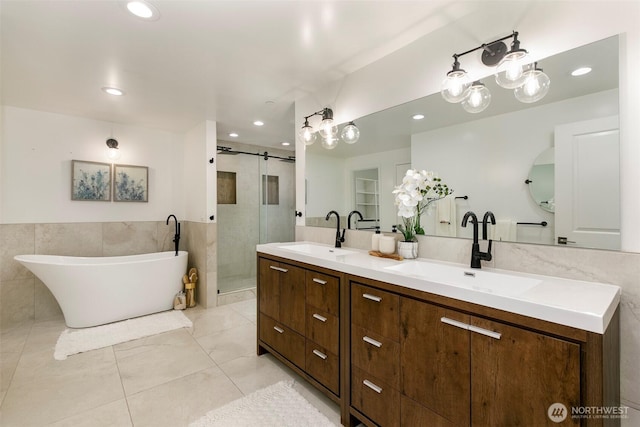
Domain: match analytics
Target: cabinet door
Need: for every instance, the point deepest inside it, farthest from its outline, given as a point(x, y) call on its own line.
point(292, 297)
point(516, 377)
point(269, 288)
point(435, 361)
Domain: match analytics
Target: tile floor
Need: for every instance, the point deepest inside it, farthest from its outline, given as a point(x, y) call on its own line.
point(169, 379)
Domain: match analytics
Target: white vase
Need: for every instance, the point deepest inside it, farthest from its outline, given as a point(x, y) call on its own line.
point(408, 250)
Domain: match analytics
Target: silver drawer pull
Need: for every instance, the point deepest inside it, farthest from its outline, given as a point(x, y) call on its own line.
point(372, 386)
point(320, 318)
point(279, 330)
point(320, 281)
point(372, 297)
point(320, 354)
point(283, 270)
point(372, 341)
point(455, 323)
point(486, 332)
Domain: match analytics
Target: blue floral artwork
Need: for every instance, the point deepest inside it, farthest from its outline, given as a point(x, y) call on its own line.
point(90, 181)
point(130, 183)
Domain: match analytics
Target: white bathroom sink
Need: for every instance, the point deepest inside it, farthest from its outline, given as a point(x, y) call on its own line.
point(479, 280)
point(317, 250)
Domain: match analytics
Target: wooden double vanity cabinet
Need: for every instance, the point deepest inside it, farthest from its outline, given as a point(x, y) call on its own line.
point(390, 355)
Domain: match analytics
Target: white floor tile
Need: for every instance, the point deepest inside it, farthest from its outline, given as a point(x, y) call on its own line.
point(158, 359)
point(45, 390)
point(231, 343)
point(114, 414)
point(181, 401)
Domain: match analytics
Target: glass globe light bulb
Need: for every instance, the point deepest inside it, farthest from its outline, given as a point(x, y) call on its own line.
point(327, 128)
point(330, 142)
point(478, 98)
point(113, 153)
point(112, 149)
point(454, 86)
point(510, 71)
point(306, 134)
point(535, 86)
point(350, 133)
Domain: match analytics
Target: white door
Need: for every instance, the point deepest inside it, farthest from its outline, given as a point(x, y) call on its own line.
point(587, 186)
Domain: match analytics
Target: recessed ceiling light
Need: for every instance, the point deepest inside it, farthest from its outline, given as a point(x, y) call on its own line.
point(142, 9)
point(258, 123)
point(233, 135)
point(113, 91)
point(581, 71)
point(285, 143)
point(417, 116)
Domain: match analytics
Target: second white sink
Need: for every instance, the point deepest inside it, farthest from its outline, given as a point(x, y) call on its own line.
point(484, 281)
point(317, 250)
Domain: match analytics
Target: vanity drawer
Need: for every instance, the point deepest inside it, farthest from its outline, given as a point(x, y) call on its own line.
point(323, 328)
point(376, 310)
point(282, 339)
point(322, 365)
point(376, 354)
point(323, 292)
point(375, 398)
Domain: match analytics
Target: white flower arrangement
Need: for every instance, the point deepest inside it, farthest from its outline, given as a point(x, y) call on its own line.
point(418, 190)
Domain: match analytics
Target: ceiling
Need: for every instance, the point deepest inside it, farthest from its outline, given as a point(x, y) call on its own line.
point(232, 62)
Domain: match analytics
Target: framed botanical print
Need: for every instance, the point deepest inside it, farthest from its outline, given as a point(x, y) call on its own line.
point(90, 181)
point(130, 183)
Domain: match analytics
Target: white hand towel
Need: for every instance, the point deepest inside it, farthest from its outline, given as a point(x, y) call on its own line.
point(446, 217)
point(504, 230)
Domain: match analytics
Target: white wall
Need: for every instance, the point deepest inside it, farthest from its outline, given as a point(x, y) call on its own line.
point(36, 168)
point(546, 28)
point(490, 166)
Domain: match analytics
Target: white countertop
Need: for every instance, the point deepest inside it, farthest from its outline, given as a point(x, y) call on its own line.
point(584, 305)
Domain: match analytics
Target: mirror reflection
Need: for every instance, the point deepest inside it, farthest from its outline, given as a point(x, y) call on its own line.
point(541, 180)
point(486, 157)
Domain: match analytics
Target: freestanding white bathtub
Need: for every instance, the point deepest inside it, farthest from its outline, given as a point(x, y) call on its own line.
point(97, 290)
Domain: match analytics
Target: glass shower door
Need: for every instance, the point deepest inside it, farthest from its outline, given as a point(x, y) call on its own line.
point(277, 200)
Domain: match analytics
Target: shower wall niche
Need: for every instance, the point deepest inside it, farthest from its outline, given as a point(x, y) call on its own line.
point(256, 204)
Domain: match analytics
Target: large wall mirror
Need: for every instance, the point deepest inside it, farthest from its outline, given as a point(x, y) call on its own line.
point(489, 158)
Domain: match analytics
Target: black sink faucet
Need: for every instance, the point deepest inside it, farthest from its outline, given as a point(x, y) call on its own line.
point(476, 254)
point(349, 218)
point(339, 239)
point(176, 237)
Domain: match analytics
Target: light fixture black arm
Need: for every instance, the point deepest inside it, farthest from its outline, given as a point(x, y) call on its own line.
point(491, 50)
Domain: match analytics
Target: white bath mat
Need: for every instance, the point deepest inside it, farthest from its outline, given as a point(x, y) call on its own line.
point(73, 341)
point(279, 405)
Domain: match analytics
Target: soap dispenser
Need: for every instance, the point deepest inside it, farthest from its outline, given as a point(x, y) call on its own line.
point(375, 240)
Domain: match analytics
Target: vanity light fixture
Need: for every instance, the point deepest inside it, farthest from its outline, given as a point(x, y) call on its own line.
point(328, 130)
point(512, 72)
